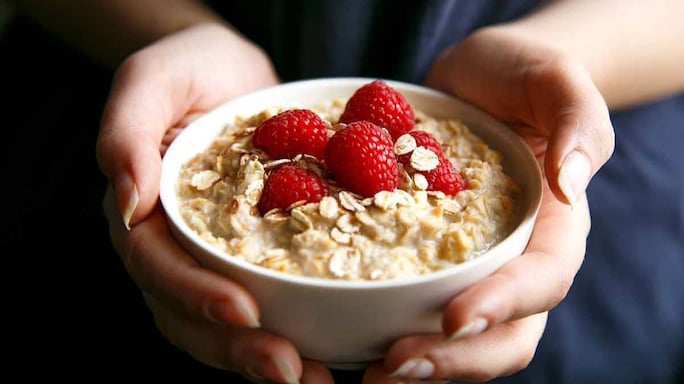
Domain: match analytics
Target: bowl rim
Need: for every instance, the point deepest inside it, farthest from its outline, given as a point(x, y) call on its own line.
point(527, 218)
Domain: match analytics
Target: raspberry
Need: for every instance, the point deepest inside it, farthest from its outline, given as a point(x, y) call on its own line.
point(423, 139)
point(445, 177)
point(290, 133)
point(290, 184)
point(361, 157)
point(381, 104)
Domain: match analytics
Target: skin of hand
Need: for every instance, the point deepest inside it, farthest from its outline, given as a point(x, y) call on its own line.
point(552, 82)
point(492, 329)
point(155, 92)
point(548, 99)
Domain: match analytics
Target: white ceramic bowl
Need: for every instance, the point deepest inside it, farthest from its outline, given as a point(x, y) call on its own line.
point(347, 324)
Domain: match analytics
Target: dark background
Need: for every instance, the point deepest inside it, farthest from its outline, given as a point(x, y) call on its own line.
point(75, 308)
point(71, 311)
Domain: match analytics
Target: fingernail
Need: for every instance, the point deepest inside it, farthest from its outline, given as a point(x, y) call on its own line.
point(286, 372)
point(417, 368)
point(127, 196)
point(473, 328)
point(219, 312)
point(574, 176)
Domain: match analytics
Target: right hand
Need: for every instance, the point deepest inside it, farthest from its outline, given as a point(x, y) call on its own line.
point(493, 327)
point(155, 92)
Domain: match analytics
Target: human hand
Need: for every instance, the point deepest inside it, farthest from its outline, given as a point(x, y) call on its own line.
point(493, 328)
point(155, 92)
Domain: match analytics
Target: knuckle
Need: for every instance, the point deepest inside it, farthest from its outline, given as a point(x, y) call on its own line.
point(560, 269)
point(564, 281)
point(600, 137)
point(504, 281)
point(448, 365)
point(606, 144)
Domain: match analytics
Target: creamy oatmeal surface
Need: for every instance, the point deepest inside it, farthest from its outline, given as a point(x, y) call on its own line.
point(398, 234)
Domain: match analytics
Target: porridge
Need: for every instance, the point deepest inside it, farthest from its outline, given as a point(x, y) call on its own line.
point(404, 230)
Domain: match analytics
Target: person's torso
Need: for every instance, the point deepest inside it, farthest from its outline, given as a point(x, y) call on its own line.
point(374, 38)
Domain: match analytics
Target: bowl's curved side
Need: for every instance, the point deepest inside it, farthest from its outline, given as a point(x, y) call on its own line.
point(340, 326)
point(337, 322)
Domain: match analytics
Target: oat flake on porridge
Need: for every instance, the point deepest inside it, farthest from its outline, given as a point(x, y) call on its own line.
point(394, 234)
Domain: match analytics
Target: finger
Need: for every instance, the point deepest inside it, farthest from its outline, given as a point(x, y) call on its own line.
point(537, 86)
point(139, 111)
point(314, 372)
point(536, 281)
point(155, 89)
point(502, 350)
point(577, 119)
point(376, 374)
point(159, 266)
point(257, 355)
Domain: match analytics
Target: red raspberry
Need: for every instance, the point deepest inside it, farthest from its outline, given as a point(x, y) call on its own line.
point(290, 184)
point(445, 177)
point(290, 133)
point(381, 104)
point(423, 139)
point(361, 157)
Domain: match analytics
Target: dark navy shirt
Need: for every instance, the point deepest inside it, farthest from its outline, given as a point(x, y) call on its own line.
point(623, 320)
point(383, 38)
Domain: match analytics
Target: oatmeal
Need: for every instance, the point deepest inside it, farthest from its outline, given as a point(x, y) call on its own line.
point(404, 232)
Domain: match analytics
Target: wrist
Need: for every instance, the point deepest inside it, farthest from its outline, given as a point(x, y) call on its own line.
point(632, 50)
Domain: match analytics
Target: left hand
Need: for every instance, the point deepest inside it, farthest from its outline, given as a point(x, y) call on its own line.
point(493, 328)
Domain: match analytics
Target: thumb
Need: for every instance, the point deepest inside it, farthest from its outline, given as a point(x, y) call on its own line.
point(581, 139)
point(135, 119)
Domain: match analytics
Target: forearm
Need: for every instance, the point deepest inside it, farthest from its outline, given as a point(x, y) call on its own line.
point(109, 30)
point(634, 50)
